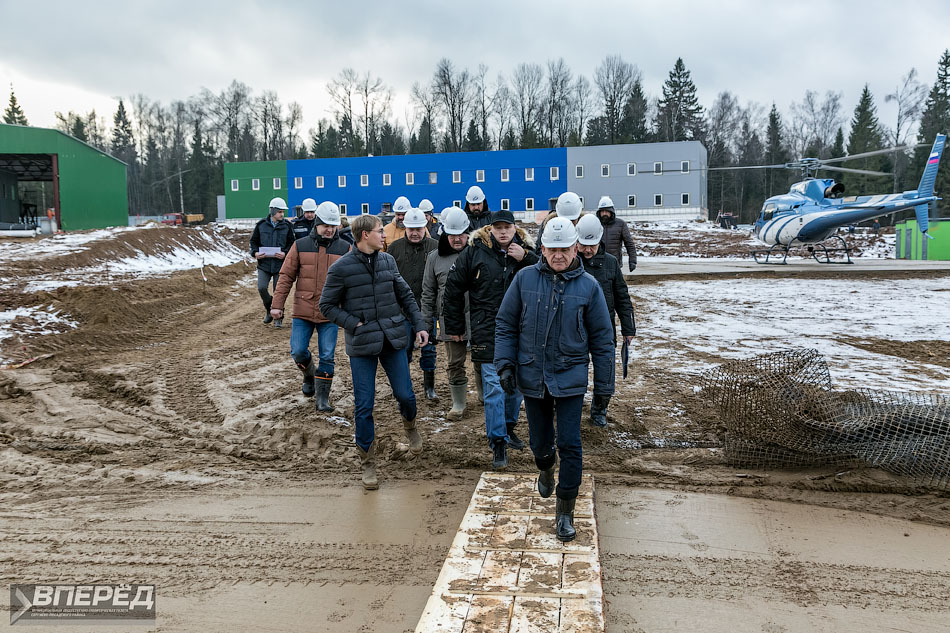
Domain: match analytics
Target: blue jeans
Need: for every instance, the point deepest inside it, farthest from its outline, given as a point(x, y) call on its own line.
point(300, 334)
point(363, 369)
point(427, 358)
point(540, 413)
point(500, 408)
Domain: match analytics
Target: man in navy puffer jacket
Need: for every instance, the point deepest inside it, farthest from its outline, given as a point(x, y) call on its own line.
point(552, 322)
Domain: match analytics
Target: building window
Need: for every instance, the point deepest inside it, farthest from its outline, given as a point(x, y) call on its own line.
point(298, 182)
point(658, 168)
point(433, 177)
point(235, 185)
point(529, 173)
point(504, 175)
point(341, 181)
point(256, 184)
point(387, 180)
point(658, 200)
point(685, 199)
point(364, 180)
point(605, 171)
point(343, 209)
point(319, 182)
point(276, 183)
point(631, 201)
point(504, 204)
point(410, 178)
point(457, 203)
point(555, 173)
point(456, 177)
point(529, 204)
point(631, 169)
point(480, 175)
point(364, 208)
point(579, 171)
point(684, 167)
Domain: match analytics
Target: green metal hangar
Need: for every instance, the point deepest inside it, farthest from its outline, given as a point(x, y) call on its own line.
point(89, 188)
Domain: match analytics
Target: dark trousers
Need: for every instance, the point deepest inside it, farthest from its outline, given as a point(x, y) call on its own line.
point(363, 370)
point(541, 413)
point(263, 279)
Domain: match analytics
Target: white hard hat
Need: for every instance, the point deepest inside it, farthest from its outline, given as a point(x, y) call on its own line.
point(278, 203)
point(415, 219)
point(474, 195)
point(401, 204)
point(425, 206)
point(589, 230)
point(605, 202)
point(328, 213)
point(308, 204)
point(559, 233)
point(454, 221)
point(568, 206)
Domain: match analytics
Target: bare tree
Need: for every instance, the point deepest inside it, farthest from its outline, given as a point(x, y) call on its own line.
point(815, 123)
point(527, 93)
point(483, 98)
point(425, 101)
point(909, 96)
point(293, 122)
point(375, 99)
point(453, 90)
point(583, 104)
point(343, 90)
point(614, 79)
point(502, 107)
point(558, 104)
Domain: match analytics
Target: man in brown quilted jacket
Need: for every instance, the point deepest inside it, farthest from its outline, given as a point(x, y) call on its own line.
point(307, 263)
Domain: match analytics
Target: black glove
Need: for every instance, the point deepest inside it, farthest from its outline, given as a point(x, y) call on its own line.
point(507, 379)
point(633, 267)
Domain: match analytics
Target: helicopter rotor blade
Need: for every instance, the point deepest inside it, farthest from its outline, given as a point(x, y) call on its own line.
point(878, 152)
point(782, 166)
point(855, 171)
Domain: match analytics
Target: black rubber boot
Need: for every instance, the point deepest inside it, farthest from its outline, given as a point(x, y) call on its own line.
point(428, 381)
point(267, 317)
point(499, 455)
point(324, 382)
point(513, 440)
point(564, 520)
point(598, 410)
point(308, 373)
point(546, 482)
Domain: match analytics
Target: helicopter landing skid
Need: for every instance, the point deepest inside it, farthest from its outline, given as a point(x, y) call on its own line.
point(775, 248)
point(827, 252)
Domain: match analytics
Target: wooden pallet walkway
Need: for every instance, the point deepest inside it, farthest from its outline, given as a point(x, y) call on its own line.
point(507, 572)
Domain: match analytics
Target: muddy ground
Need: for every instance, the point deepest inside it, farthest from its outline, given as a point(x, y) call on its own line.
point(165, 440)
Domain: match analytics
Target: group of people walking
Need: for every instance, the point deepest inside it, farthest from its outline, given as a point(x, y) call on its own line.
point(534, 317)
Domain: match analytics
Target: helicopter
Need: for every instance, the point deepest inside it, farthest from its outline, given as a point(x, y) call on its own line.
point(815, 208)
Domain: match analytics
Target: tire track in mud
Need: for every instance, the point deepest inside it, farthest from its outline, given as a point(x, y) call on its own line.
point(783, 580)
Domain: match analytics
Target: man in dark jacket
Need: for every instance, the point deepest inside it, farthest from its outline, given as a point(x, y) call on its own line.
point(476, 207)
point(484, 269)
point(305, 223)
point(410, 253)
point(271, 232)
point(605, 268)
point(307, 263)
point(366, 296)
point(552, 323)
point(616, 233)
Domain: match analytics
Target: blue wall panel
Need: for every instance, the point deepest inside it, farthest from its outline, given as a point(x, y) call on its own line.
point(443, 192)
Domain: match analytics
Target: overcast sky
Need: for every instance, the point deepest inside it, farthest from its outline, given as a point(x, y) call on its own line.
point(63, 56)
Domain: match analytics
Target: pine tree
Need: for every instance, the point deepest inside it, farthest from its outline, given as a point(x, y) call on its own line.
point(14, 113)
point(123, 146)
point(597, 132)
point(936, 120)
point(752, 182)
point(680, 117)
point(510, 141)
point(776, 153)
point(633, 125)
point(473, 141)
point(837, 150)
point(866, 136)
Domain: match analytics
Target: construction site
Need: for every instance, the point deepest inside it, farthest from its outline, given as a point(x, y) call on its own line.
point(777, 459)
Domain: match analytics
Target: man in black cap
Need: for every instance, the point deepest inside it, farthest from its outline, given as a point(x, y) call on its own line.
point(484, 269)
